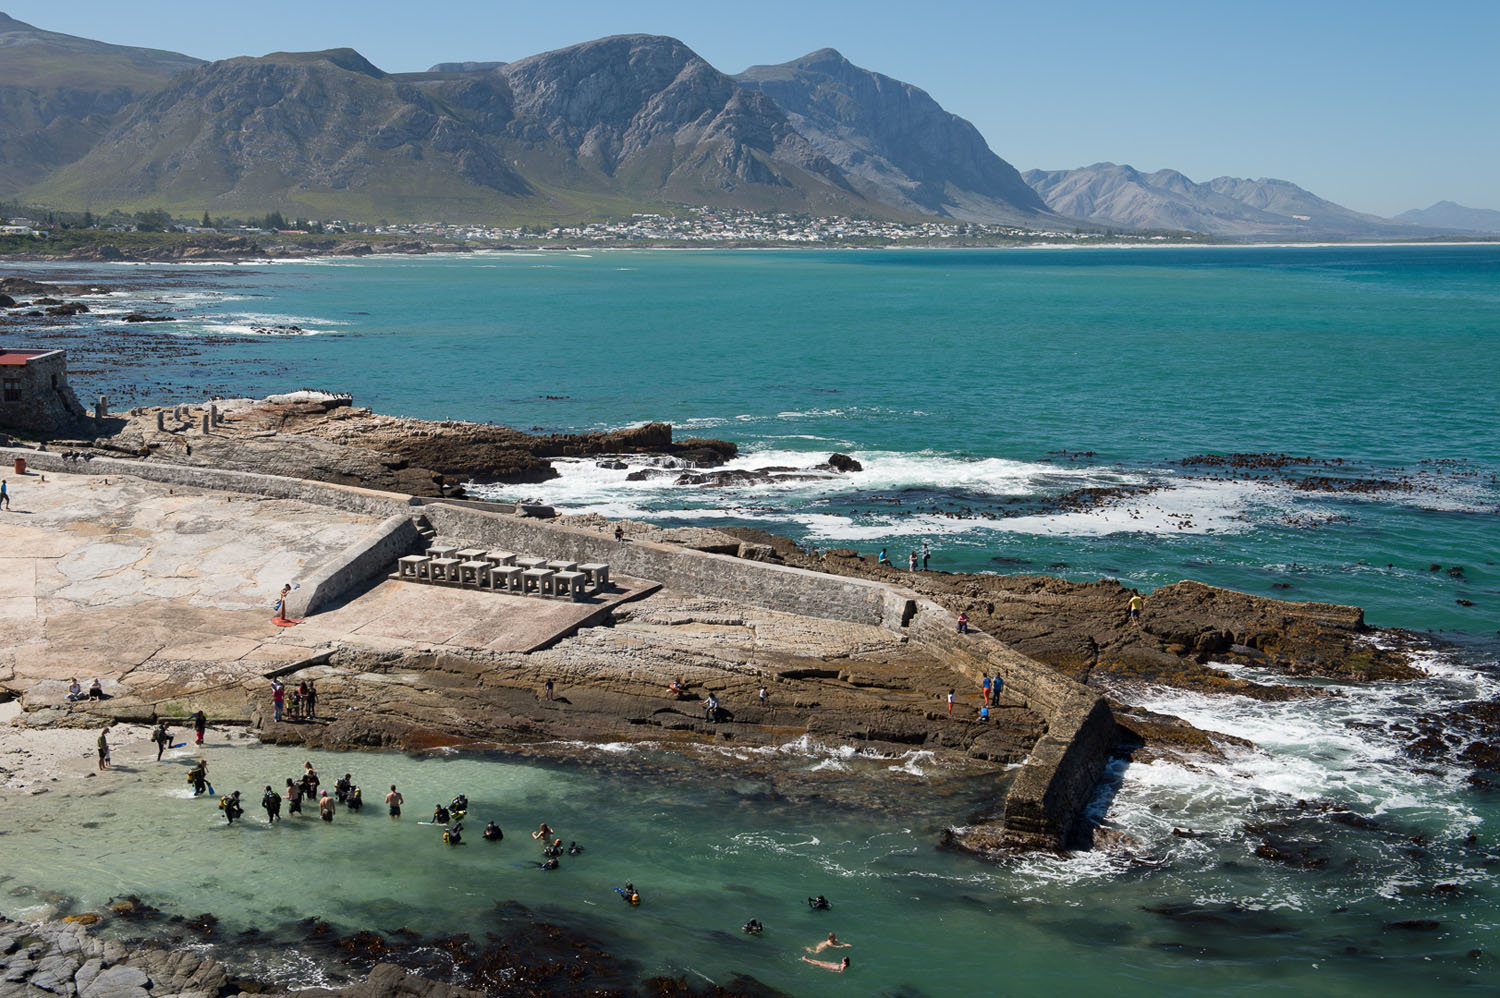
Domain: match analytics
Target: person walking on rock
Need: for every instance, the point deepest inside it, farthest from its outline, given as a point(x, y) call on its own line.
point(278, 698)
point(1135, 609)
point(4, 495)
point(950, 703)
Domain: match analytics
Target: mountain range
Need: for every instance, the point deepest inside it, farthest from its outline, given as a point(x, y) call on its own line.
point(1455, 217)
point(608, 127)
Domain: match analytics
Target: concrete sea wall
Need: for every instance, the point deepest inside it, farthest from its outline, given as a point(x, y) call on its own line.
point(1045, 805)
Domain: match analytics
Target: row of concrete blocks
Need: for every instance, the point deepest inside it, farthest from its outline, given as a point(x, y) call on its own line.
point(502, 571)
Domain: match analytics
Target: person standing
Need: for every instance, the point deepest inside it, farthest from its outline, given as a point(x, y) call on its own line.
point(104, 749)
point(271, 801)
point(326, 807)
point(4, 495)
point(1135, 609)
point(278, 698)
point(926, 554)
point(293, 796)
point(312, 699)
point(986, 689)
point(393, 802)
point(163, 738)
point(950, 703)
point(911, 562)
point(200, 725)
point(549, 689)
point(763, 696)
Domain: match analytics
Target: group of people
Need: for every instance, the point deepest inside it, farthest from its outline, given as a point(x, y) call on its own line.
point(76, 693)
point(911, 561)
point(303, 705)
point(819, 903)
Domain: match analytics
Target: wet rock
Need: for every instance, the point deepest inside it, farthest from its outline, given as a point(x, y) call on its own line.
point(842, 463)
point(143, 317)
point(117, 982)
point(6, 301)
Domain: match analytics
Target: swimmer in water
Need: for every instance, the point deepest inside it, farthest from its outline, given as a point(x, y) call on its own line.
point(837, 968)
point(574, 848)
point(550, 864)
point(544, 832)
point(832, 942)
point(752, 927)
point(819, 903)
point(493, 833)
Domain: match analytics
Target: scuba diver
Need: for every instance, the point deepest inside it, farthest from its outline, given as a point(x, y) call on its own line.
point(454, 836)
point(271, 801)
point(356, 799)
point(550, 864)
point(555, 849)
point(460, 805)
point(752, 927)
point(197, 777)
point(629, 893)
point(574, 848)
point(819, 903)
point(341, 788)
point(492, 832)
point(230, 805)
point(440, 815)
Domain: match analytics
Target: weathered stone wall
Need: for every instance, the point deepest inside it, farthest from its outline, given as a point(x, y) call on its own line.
point(46, 404)
point(371, 555)
point(1046, 802)
point(776, 587)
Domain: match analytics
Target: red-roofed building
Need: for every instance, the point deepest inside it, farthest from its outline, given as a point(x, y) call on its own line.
point(34, 391)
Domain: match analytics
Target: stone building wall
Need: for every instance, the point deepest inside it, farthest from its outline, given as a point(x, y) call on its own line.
point(34, 395)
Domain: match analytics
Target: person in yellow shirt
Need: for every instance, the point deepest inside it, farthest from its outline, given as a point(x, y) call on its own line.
point(1135, 609)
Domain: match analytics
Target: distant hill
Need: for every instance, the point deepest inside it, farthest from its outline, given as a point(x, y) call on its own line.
point(896, 143)
point(59, 94)
point(1111, 194)
point(613, 124)
point(1455, 217)
point(464, 67)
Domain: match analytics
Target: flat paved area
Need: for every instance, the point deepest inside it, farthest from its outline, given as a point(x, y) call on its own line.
point(115, 578)
point(157, 590)
point(406, 614)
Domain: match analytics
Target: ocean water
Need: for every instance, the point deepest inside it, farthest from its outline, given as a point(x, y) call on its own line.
point(1020, 411)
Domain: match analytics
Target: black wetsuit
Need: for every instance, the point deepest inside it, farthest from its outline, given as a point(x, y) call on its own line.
point(356, 799)
point(493, 833)
point(341, 790)
point(294, 798)
point(272, 803)
point(232, 808)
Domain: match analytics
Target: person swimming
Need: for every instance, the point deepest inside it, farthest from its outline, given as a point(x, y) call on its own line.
point(440, 815)
point(819, 903)
point(544, 832)
point(492, 832)
point(752, 927)
point(837, 968)
point(574, 848)
point(550, 864)
point(555, 849)
point(832, 942)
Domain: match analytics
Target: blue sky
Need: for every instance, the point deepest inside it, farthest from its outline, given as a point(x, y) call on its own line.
point(1380, 106)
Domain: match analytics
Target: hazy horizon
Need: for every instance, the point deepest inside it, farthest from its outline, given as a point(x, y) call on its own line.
point(1383, 108)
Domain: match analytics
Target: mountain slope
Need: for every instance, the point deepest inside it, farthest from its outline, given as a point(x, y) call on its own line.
point(60, 93)
point(894, 140)
point(609, 125)
point(311, 130)
point(1455, 217)
point(1111, 194)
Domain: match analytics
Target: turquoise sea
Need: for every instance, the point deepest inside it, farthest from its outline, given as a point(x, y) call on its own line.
point(1020, 411)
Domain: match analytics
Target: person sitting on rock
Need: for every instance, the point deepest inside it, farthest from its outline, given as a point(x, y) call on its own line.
point(75, 691)
point(96, 691)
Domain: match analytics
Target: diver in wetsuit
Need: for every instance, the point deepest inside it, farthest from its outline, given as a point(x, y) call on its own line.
point(555, 849)
point(819, 903)
point(440, 815)
point(198, 778)
point(752, 927)
point(550, 864)
point(460, 804)
point(356, 799)
point(271, 801)
point(230, 805)
point(574, 848)
point(493, 833)
point(341, 788)
point(454, 836)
